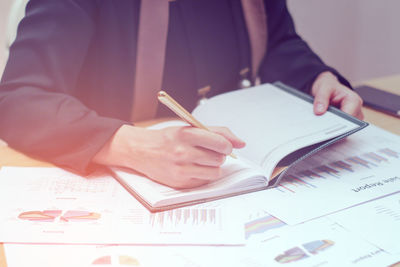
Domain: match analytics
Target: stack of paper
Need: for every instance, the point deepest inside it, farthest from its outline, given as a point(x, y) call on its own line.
point(340, 207)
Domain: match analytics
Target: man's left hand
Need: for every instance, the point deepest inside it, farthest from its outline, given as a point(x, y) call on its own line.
point(328, 90)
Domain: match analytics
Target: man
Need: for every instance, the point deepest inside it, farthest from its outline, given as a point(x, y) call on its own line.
point(67, 93)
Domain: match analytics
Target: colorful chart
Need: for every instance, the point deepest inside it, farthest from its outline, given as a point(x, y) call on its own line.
point(291, 255)
point(117, 261)
point(40, 216)
point(319, 245)
point(79, 216)
point(296, 253)
point(52, 215)
point(336, 169)
point(389, 152)
point(262, 225)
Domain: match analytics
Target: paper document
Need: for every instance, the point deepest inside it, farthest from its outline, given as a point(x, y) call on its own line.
point(360, 168)
point(208, 223)
point(49, 205)
point(377, 222)
point(320, 243)
point(317, 243)
point(266, 146)
point(91, 255)
point(271, 141)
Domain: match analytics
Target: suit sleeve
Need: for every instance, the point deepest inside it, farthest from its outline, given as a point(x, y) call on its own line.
point(38, 114)
point(289, 59)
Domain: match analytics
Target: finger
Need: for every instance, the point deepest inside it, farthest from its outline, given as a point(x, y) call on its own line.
point(360, 115)
point(199, 156)
point(206, 157)
point(322, 97)
point(206, 139)
point(351, 104)
point(225, 132)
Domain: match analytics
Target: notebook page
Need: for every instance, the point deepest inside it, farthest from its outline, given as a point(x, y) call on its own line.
point(272, 122)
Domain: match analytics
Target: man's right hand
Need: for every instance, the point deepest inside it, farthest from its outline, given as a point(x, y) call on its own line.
point(180, 157)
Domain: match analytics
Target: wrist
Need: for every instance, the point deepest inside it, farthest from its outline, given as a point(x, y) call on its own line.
point(130, 147)
point(114, 150)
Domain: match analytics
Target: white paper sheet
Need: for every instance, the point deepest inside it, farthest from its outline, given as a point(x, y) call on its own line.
point(49, 205)
point(272, 122)
point(90, 255)
point(209, 223)
point(377, 222)
point(320, 243)
point(363, 167)
point(317, 243)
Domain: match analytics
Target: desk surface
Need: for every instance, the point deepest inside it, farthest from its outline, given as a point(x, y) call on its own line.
point(387, 122)
point(10, 157)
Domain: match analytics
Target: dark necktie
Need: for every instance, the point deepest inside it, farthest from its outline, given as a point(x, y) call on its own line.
point(256, 22)
point(152, 40)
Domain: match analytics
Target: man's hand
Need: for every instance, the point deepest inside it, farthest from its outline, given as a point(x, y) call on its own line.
point(327, 89)
point(180, 157)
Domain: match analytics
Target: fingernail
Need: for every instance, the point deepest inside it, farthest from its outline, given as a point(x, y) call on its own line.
point(320, 107)
point(242, 143)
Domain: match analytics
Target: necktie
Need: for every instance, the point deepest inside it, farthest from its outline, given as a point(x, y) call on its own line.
point(152, 40)
point(256, 21)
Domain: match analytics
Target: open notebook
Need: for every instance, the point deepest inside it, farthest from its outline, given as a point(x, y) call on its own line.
point(280, 129)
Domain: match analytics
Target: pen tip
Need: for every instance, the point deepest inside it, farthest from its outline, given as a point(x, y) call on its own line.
point(162, 93)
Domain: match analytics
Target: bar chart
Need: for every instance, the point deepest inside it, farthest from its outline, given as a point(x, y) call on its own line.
point(337, 169)
point(184, 217)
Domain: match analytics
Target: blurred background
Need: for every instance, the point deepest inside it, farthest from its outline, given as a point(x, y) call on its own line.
point(360, 38)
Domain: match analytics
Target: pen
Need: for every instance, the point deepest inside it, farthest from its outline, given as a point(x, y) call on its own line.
point(167, 100)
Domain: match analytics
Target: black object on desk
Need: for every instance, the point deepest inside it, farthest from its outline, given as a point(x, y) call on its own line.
point(379, 99)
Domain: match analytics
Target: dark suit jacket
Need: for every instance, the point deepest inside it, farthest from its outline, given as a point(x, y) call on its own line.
point(68, 84)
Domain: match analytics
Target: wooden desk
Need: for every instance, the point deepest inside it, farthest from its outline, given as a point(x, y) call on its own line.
point(10, 157)
point(387, 122)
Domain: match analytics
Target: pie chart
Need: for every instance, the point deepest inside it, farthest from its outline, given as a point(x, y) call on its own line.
point(306, 250)
point(40, 216)
point(52, 215)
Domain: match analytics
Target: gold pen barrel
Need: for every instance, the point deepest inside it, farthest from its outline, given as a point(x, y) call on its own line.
point(164, 98)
